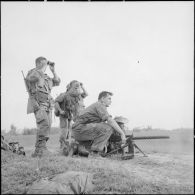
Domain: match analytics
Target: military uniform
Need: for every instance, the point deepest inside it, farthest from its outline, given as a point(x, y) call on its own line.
point(91, 125)
point(115, 137)
point(41, 104)
point(72, 104)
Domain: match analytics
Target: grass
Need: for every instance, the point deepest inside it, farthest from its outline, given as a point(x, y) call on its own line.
point(159, 173)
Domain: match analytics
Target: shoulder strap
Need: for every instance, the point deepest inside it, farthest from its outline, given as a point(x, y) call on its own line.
point(32, 70)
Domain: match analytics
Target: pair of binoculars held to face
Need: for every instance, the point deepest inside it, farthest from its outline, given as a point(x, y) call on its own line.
point(50, 63)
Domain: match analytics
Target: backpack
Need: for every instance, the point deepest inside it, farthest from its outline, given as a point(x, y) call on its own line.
point(32, 104)
point(66, 105)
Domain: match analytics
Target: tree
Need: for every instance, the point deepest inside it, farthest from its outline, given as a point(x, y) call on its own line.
point(27, 131)
point(12, 130)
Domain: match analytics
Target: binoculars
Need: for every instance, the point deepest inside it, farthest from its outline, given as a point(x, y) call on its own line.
point(50, 63)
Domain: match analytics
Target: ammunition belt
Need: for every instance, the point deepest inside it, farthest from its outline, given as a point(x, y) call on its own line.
point(45, 107)
point(44, 99)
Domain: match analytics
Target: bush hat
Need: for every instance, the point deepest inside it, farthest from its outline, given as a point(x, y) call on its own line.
point(121, 119)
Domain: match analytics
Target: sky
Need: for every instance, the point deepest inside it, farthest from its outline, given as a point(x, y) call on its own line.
point(140, 51)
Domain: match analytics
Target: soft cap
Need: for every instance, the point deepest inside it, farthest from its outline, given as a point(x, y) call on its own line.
point(121, 119)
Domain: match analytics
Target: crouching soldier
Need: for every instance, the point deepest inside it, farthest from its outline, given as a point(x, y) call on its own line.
point(68, 106)
point(115, 139)
point(41, 102)
point(95, 125)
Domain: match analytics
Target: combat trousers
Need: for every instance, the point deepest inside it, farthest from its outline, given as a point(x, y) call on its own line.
point(98, 133)
point(43, 120)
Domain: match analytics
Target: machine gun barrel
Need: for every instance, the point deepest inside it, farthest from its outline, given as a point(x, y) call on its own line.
point(148, 137)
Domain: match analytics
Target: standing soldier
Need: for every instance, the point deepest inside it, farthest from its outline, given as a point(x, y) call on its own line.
point(68, 107)
point(41, 102)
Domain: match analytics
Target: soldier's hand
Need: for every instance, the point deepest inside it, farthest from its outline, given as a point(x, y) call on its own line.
point(123, 138)
point(52, 68)
point(36, 107)
point(62, 112)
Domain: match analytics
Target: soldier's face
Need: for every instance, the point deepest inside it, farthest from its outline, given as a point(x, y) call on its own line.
point(76, 88)
point(107, 100)
point(44, 65)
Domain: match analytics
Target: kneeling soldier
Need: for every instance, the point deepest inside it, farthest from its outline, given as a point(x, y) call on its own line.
point(115, 137)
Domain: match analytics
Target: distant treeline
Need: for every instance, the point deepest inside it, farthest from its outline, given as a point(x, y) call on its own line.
point(28, 131)
point(32, 131)
point(159, 129)
point(55, 130)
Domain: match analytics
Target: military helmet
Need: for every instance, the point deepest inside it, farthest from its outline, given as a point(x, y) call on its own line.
point(121, 119)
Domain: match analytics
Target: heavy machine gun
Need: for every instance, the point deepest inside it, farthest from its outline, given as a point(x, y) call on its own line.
point(117, 147)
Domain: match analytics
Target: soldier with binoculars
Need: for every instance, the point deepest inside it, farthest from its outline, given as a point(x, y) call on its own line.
point(40, 101)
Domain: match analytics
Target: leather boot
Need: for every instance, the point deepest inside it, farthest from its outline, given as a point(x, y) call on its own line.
point(61, 140)
point(82, 151)
point(40, 147)
point(70, 148)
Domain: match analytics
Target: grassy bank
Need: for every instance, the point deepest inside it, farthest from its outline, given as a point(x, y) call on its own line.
point(158, 173)
point(168, 169)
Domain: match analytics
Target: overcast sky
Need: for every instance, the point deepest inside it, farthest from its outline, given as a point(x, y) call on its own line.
point(140, 51)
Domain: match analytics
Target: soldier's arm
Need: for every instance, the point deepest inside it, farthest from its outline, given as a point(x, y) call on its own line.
point(57, 106)
point(84, 94)
point(104, 115)
point(56, 79)
point(116, 127)
point(60, 98)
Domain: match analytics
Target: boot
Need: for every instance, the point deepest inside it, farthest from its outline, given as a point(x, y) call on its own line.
point(70, 148)
point(62, 140)
point(36, 153)
point(82, 151)
point(65, 147)
point(40, 148)
point(41, 152)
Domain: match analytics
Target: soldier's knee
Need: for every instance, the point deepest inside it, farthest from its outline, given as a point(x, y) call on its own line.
point(45, 124)
point(109, 128)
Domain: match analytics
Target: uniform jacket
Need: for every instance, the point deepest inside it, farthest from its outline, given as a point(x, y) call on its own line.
point(40, 86)
point(71, 103)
